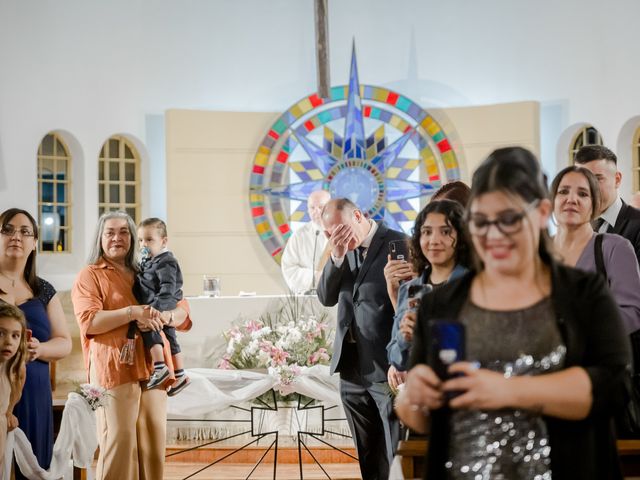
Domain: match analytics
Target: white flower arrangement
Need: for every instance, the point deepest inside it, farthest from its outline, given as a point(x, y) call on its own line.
point(94, 395)
point(282, 343)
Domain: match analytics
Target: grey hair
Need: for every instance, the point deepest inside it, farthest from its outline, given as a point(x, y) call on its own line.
point(97, 252)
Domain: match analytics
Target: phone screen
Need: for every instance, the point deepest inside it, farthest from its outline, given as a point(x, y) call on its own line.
point(447, 346)
point(398, 250)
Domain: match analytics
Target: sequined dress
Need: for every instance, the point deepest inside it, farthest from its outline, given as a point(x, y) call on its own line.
point(506, 444)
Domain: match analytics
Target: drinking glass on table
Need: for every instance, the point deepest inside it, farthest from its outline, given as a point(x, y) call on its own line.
point(211, 286)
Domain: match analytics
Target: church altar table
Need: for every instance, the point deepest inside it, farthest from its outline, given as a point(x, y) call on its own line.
point(220, 404)
point(213, 391)
point(204, 344)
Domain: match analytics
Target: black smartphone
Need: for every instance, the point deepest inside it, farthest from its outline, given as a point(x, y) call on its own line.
point(448, 345)
point(398, 250)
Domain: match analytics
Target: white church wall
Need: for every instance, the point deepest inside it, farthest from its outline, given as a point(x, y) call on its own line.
point(95, 69)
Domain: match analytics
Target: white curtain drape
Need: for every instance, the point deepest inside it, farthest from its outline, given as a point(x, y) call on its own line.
point(76, 444)
point(213, 389)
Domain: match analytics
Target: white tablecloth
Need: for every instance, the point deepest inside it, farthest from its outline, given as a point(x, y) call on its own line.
point(212, 391)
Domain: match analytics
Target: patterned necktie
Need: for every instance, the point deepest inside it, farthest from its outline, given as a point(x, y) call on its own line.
point(358, 254)
point(597, 223)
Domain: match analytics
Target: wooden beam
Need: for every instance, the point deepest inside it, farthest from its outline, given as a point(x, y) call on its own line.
point(322, 47)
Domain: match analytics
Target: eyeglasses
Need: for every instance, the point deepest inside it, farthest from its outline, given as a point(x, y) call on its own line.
point(10, 231)
point(508, 222)
point(113, 233)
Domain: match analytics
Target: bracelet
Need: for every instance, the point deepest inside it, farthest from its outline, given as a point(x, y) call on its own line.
point(129, 312)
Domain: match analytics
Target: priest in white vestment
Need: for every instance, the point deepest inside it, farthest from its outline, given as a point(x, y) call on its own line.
point(305, 248)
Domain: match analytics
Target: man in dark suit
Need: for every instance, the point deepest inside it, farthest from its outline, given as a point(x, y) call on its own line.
point(354, 279)
point(615, 215)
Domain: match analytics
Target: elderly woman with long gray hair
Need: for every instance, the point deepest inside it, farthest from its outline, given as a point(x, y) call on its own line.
point(131, 427)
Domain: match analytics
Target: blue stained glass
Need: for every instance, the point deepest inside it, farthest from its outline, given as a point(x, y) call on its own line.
point(385, 116)
point(356, 184)
point(387, 156)
point(337, 93)
point(325, 117)
point(401, 189)
point(391, 222)
point(295, 191)
point(403, 103)
point(323, 159)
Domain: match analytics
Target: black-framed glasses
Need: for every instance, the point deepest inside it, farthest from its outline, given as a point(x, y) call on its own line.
point(508, 222)
point(10, 231)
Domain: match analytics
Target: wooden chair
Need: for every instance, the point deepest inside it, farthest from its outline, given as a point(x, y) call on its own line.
point(413, 456)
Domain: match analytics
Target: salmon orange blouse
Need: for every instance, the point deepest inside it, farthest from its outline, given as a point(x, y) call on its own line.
point(103, 287)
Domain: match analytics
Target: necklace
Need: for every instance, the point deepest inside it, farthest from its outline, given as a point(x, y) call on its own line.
point(12, 280)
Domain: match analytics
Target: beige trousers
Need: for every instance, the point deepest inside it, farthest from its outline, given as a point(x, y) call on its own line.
point(132, 433)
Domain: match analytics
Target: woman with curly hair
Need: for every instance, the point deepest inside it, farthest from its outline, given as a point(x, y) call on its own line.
point(440, 253)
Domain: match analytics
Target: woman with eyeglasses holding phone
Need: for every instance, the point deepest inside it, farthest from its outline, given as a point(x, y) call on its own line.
point(49, 335)
point(545, 348)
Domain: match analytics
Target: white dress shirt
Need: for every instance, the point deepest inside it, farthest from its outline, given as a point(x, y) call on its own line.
point(297, 258)
point(610, 215)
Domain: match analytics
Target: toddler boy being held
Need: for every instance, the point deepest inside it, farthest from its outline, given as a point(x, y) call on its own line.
point(159, 285)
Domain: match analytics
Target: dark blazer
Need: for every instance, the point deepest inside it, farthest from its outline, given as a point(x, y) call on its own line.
point(363, 302)
point(628, 226)
point(159, 282)
point(592, 331)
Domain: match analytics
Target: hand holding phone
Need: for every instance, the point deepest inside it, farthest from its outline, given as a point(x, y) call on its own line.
point(398, 250)
point(448, 346)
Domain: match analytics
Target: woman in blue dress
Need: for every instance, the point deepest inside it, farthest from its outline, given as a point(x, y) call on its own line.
point(50, 339)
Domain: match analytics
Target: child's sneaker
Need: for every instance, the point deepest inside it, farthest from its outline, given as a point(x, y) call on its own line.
point(157, 377)
point(179, 386)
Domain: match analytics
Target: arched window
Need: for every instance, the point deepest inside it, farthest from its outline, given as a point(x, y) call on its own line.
point(636, 160)
point(54, 194)
point(587, 135)
point(119, 177)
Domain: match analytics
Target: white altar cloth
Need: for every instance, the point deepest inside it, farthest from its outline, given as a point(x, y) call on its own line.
point(204, 410)
point(212, 390)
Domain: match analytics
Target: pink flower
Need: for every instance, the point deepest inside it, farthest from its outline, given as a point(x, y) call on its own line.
point(235, 333)
point(253, 326)
point(321, 354)
point(224, 363)
point(285, 389)
point(279, 356)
